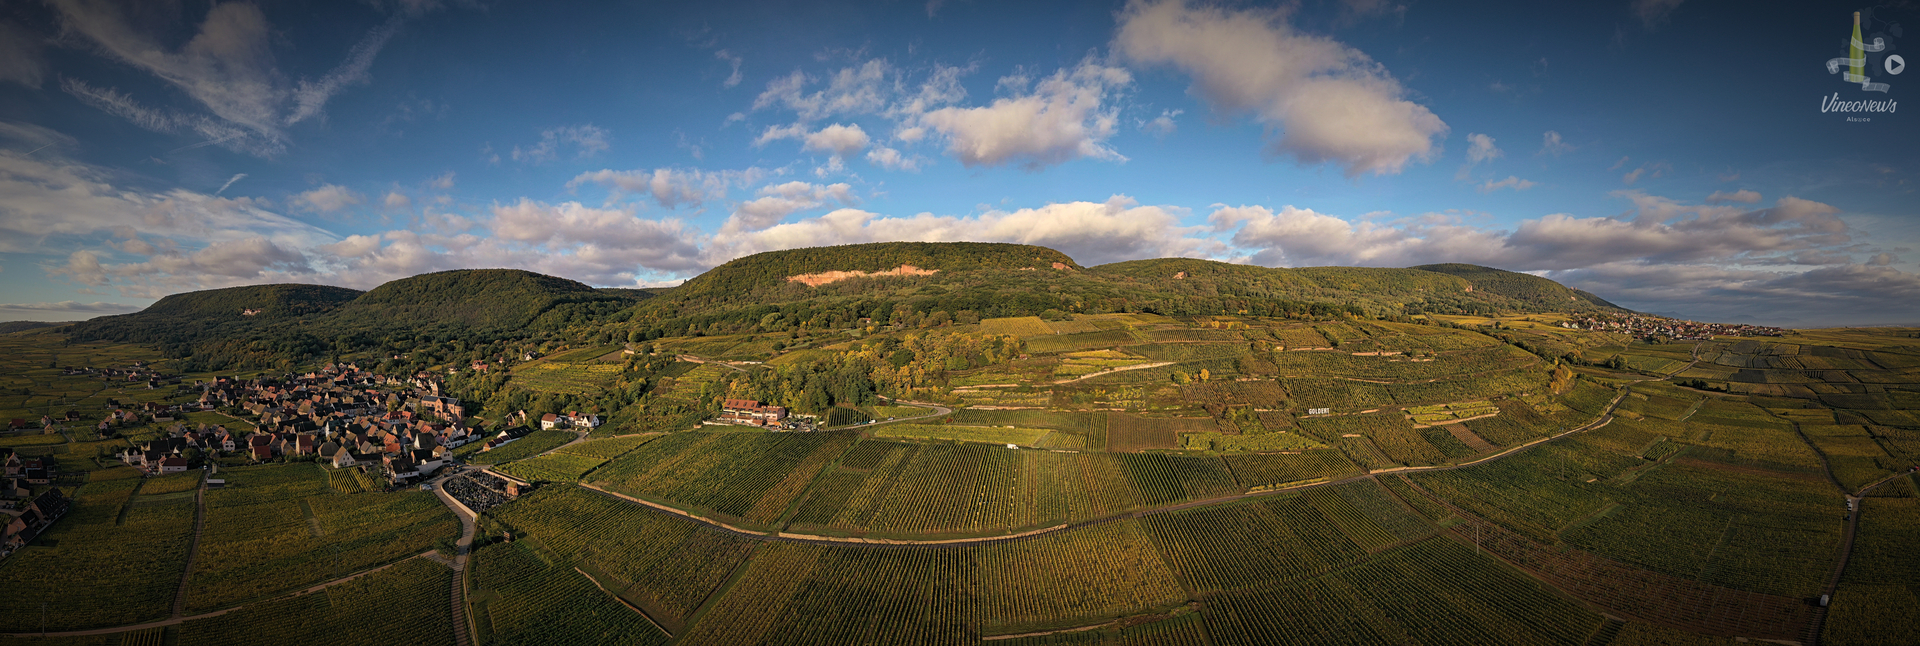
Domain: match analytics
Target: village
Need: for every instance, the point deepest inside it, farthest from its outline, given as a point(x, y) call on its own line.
point(401, 428)
point(1643, 326)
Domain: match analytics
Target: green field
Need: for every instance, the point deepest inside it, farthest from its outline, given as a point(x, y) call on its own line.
point(276, 528)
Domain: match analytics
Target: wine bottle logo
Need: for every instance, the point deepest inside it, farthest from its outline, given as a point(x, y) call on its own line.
point(1855, 64)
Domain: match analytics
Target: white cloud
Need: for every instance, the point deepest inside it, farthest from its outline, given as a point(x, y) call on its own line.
point(1480, 148)
point(1511, 182)
point(1162, 125)
point(441, 183)
point(236, 177)
point(851, 91)
point(52, 201)
point(1330, 102)
point(733, 60)
point(330, 198)
point(672, 187)
point(394, 201)
point(1743, 196)
point(892, 159)
point(777, 202)
point(585, 139)
point(1651, 170)
point(837, 139)
point(227, 67)
point(62, 311)
point(1552, 144)
point(1090, 232)
point(1061, 120)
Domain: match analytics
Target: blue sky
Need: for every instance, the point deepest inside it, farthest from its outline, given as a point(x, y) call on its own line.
point(1670, 155)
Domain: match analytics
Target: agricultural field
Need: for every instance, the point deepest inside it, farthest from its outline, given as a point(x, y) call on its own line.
point(1024, 327)
point(744, 476)
point(985, 434)
point(276, 528)
point(552, 467)
point(566, 378)
point(406, 603)
point(609, 448)
point(518, 598)
point(133, 553)
point(533, 444)
point(1876, 602)
point(635, 553)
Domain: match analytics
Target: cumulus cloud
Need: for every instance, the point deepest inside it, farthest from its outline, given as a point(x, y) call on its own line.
point(1742, 196)
point(1330, 102)
point(1650, 170)
point(671, 187)
point(1090, 232)
point(864, 89)
point(1062, 119)
point(394, 201)
point(1552, 144)
point(585, 140)
point(837, 139)
point(441, 183)
point(892, 159)
point(1480, 149)
point(1162, 125)
point(1511, 182)
point(330, 198)
point(777, 202)
point(733, 60)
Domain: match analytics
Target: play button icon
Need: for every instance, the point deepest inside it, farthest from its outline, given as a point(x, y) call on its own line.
point(1896, 64)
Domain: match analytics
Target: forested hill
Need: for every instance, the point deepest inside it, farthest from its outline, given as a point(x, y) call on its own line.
point(817, 288)
point(264, 301)
point(482, 298)
point(1525, 288)
point(1447, 289)
point(296, 323)
point(765, 276)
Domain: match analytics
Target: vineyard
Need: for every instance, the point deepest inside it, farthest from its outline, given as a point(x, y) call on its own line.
point(985, 434)
point(132, 554)
point(406, 603)
point(518, 598)
point(533, 444)
point(566, 378)
point(749, 477)
point(277, 528)
point(637, 554)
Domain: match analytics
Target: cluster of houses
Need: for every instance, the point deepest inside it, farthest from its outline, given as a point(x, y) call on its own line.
point(31, 470)
point(1650, 326)
point(751, 412)
point(22, 524)
point(573, 419)
point(340, 415)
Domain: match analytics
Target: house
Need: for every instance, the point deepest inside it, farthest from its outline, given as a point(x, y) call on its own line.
point(549, 422)
point(173, 465)
point(261, 453)
point(14, 488)
point(33, 518)
point(582, 420)
point(402, 469)
point(750, 411)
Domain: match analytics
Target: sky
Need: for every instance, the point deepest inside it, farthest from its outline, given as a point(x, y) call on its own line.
point(1679, 157)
